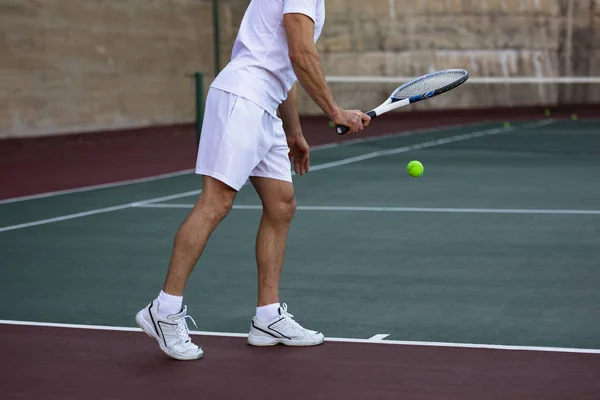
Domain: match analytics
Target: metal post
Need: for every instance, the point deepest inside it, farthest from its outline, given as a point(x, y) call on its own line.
point(199, 104)
point(217, 37)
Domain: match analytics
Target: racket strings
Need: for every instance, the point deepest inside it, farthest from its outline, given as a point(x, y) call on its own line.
point(428, 83)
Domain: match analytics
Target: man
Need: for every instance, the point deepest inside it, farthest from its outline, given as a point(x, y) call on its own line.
point(244, 139)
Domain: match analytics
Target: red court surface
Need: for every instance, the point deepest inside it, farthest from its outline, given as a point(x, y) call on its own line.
point(66, 363)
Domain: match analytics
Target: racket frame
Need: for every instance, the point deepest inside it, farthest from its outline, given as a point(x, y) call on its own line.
point(393, 103)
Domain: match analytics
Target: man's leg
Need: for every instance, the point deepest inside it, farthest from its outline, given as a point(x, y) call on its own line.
point(272, 323)
point(164, 318)
point(279, 206)
point(212, 207)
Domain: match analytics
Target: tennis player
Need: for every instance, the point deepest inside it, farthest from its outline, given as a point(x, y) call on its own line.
point(251, 134)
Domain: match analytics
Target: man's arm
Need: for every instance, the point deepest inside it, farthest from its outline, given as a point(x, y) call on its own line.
point(307, 66)
point(288, 111)
point(299, 149)
point(307, 63)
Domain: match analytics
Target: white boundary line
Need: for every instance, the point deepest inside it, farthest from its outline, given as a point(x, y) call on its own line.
point(345, 161)
point(98, 211)
point(377, 339)
point(424, 145)
point(472, 80)
point(398, 209)
point(395, 135)
point(191, 171)
point(97, 187)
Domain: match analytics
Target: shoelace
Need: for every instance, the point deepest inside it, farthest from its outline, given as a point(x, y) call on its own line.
point(182, 329)
point(290, 317)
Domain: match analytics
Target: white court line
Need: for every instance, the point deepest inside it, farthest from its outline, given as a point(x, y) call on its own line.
point(394, 135)
point(473, 80)
point(97, 211)
point(400, 209)
point(327, 339)
point(190, 171)
point(423, 145)
point(378, 338)
point(97, 187)
point(345, 161)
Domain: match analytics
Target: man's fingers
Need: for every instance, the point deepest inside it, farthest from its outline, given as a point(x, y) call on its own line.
point(356, 122)
point(366, 119)
point(359, 125)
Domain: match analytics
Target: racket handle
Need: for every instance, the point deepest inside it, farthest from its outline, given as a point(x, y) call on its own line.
point(342, 129)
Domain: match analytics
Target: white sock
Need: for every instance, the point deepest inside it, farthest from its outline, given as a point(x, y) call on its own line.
point(169, 304)
point(268, 312)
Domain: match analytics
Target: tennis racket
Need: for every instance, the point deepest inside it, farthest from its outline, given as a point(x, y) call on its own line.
point(422, 88)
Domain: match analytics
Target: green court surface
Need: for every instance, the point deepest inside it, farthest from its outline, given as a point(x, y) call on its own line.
point(497, 243)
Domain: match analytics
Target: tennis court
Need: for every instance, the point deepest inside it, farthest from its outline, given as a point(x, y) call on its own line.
point(477, 280)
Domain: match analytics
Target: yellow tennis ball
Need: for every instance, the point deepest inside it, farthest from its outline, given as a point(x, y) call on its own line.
point(414, 168)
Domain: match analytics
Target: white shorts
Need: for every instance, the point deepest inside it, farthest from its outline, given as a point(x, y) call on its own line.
point(239, 139)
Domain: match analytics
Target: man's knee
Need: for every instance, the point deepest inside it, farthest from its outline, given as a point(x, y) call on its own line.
point(218, 207)
point(282, 209)
point(216, 200)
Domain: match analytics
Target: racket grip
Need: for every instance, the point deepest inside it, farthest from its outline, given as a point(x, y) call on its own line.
point(342, 129)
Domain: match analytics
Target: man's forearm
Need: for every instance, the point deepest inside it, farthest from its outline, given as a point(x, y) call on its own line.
point(305, 60)
point(307, 66)
point(288, 111)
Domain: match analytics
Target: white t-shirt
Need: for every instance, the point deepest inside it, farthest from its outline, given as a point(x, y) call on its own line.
point(260, 68)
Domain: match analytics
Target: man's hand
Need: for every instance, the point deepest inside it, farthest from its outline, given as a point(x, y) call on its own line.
point(354, 119)
point(307, 65)
point(299, 150)
point(299, 153)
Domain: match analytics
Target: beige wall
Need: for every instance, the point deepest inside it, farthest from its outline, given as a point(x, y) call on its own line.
point(487, 37)
point(78, 65)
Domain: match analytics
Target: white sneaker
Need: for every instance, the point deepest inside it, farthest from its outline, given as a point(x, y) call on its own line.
point(282, 329)
point(171, 332)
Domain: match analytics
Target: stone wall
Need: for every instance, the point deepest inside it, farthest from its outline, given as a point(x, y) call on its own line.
point(74, 65)
point(81, 65)
point(500, 38)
